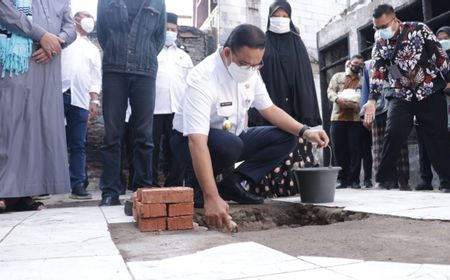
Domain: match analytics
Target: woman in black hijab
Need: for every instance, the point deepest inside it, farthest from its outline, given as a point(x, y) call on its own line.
point(289, 80)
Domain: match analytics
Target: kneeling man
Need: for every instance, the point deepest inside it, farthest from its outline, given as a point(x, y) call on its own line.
point(210, 127)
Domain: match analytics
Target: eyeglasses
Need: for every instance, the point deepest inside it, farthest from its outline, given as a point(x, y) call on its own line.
point(383, 26)
point(247, 66)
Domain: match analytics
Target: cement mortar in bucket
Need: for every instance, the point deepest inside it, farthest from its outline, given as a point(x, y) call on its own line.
point(317, 184)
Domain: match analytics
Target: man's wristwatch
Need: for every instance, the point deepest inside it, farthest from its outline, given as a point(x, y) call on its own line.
point(96, 102)
point(302, 131)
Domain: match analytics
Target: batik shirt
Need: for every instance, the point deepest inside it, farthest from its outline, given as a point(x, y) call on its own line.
point(423, 64)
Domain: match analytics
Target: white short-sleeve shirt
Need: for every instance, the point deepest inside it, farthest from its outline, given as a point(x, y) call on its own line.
point(212, 96)
point(173, 66)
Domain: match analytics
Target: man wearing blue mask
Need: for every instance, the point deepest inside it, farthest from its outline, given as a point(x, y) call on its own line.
point(409, 57)
point(173, 66)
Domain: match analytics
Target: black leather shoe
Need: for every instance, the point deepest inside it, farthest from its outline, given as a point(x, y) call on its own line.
point(128, 208)
point(341, 185)
point(424, 186)
point(79, 192)
point(109, 201)
point(230, 190)
point(388, 185)
point(355, 185)
point(445, 190)
point(368, 183)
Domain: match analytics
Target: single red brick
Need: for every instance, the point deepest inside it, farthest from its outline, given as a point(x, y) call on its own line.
point(178, 223)
point(167, 195)
point(151, 210)
point(180, 209)
point(152, 224)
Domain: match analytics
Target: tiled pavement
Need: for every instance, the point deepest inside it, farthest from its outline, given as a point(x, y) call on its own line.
point(74, 243)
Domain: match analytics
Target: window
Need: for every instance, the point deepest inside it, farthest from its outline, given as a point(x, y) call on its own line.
point(437, 13)
point(366, 40)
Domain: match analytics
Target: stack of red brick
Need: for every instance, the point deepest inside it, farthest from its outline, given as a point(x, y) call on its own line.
point(157, 209)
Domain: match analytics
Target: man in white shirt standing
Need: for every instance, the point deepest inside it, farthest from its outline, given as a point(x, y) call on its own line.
point(81, 84)
point(173, 67)
point(210, 129)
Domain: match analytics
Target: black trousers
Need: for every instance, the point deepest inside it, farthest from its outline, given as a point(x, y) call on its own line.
point(346, 141)
point(426, 174)
point(431, 113)
point(118, 88)
point(366, 152)
point(162, 126)
point(261, 148)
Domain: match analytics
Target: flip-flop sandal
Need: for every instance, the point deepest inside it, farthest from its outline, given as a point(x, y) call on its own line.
point(28, 204)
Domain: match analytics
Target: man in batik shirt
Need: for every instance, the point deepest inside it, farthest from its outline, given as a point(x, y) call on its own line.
point(418, 71)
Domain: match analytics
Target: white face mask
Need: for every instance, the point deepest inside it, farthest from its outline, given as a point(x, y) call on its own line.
point(280, 25)
point(87, 24)
point(445, 44)
point(171, 37)
point(240, 74)
point(386, 33)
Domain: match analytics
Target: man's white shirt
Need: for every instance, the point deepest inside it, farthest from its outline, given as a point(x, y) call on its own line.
point(173, 67)
point(81, 71)
point(212, 96)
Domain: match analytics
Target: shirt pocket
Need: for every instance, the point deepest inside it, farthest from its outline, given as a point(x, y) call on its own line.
point(183, 66)
point(225, 108)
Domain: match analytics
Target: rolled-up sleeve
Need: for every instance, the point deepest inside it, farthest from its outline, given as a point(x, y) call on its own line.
point(18, 22)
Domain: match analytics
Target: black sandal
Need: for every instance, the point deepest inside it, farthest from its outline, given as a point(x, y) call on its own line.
point(28, 204)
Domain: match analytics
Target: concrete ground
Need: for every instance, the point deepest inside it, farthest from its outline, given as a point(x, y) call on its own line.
point(374, 234)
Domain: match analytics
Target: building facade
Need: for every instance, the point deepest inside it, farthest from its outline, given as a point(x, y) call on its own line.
point(220, 17)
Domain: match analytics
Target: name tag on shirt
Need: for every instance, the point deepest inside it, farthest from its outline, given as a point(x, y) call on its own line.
point(226, 104)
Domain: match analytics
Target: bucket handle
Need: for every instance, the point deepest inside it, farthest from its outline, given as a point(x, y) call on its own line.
point(331, 156)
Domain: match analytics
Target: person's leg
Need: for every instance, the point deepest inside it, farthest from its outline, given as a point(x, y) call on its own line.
point(378, 129)
point(265, 147)
point(142, 102)
point(367, 155)
point(115, 96)
point(225, 149)
point(403, 168)
point(398, 126)
point(341, 154)
point(158, 127)
point(77, 119)
point(176, 172)
point(432, 117)
point(426, 175)
point(354, 131)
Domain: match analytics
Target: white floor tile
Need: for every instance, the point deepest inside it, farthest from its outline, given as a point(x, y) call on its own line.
point(379, 270)
point(98, 268)
point(89, 248)
point(306, 274)
point(115, 215)
point(233, 261)
point(328, 262)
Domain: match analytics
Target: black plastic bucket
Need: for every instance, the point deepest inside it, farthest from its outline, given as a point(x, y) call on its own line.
point(316, 184)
